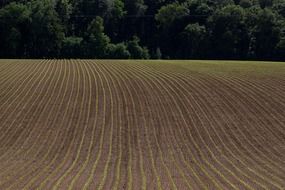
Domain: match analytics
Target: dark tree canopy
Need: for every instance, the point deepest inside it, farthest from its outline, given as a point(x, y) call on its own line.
point(143, 29)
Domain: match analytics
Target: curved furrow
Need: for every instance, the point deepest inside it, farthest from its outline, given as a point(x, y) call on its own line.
point(77, 161)
point(248, 155)
point(250, 87)
point(129, 164)
point(272, 85)
point(6, 96)
point(21, 146)
point(11, 73)
point(12, 93)
point(260, 123)
point(115, 103)
point(267, 81)
point(92, 140)
point(193, 141)
point(25, 120)
point(137, 85)
point(118, 176)
point(134, 131)
point(16, 93)
point(58, 147)
point(199, 117)
point(64, 153)
point(261, 135)
point(153, 124)
point(9, 95)
point(205, 99)
point(254, 91)
point(112, 118)
point(153, 88)
point(15, 75)
point(24, 137)
point(38, 145)
point(276, 136)
point(229, 85)
point(111, 124)
point(64, 108)
point(20, 107)
point(150, 151)
point(219, 123)
point(259, 72)
point(121, 82)
point(89, 161)
point(227, 169)
point(162, 109)
point(7, 68)
point(136, 123)
point(152, 154)
point(103, 169)
point(201, 85)
point(112, 139)
point(226, 133)
point(189, 166)
point(107, 114)
point(102, 132)
point(70, 158)
point(10, 119)
point(198, 151)
point(5, 63)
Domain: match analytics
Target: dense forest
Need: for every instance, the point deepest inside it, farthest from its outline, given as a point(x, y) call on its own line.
point(143, 29)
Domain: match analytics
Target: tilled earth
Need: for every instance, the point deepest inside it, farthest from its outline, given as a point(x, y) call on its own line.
point(94, 124)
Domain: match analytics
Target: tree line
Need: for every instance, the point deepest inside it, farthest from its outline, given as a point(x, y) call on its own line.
point(143, 29)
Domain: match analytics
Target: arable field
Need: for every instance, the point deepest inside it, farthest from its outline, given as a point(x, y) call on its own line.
point(94, 124)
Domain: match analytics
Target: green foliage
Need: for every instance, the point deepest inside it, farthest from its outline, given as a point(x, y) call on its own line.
point(266, 33)
point(169, 13)
point(192, 37)
point(118, 51)
point(46, 33)
point(96, 41)
point(157, 54)
point(135, 7)
point(265, 3)
point(102, 8)
point(182, 29)
point(229, 33)
point(280, 49)
point(14, 19)
point(137, 52)
point(246, 3)
point(31, 30)
point(118, 11)
point(223, 3)
point(64, 10)
point(71, 47)
point(280, 8)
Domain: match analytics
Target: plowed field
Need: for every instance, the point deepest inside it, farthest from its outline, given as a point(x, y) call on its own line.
point(94, 124)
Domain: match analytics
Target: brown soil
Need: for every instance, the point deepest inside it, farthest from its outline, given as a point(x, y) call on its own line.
point(91, 124)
